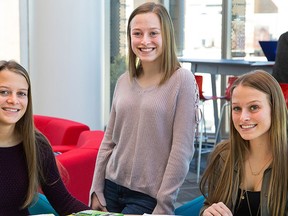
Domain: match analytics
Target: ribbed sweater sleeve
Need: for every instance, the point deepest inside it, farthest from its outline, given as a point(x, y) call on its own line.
point(14, 182)
point(148, 143)
point(53, 187)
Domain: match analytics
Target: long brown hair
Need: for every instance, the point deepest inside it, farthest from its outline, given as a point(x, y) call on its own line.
point(169, 60)
point(233, 150)
point(25, 127)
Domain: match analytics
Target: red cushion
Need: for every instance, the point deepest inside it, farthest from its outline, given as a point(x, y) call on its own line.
point(63, 148)
point(90, 139)
point(80, 163)
point(87, 139)
point(284, 87)
point(59, 131)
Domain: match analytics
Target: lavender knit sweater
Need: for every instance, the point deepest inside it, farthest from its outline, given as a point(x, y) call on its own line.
point(148, 143)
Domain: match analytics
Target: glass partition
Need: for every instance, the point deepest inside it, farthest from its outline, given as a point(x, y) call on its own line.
point(254, 21)
point(206, 29)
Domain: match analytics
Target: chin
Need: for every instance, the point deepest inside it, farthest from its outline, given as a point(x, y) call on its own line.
point(247, 137)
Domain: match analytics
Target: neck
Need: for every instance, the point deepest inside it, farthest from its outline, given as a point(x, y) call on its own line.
point(8, 136)
point(150, 69)
point(259, 149)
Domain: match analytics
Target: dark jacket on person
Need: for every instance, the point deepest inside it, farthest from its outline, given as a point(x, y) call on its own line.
point(232, 204)
point(280, 68)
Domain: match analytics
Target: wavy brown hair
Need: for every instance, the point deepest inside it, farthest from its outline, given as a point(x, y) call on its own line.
point(236, 148)
point(169, 60)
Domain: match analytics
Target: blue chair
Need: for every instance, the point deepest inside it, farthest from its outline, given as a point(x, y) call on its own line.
point(42, 206)
point(191, 208)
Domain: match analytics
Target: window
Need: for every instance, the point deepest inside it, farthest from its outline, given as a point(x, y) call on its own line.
point(264, 20)
point(10, 30)
point(202, 29)
point(199, 31)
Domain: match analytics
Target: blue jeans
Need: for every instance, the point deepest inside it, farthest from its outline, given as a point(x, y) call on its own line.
point(120, 199)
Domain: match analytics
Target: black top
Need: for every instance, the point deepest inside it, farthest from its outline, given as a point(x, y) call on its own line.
point(242, 207)
point(280, 68)
point(14, 182)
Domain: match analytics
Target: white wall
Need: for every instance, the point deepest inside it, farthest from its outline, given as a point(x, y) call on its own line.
point(66, 59)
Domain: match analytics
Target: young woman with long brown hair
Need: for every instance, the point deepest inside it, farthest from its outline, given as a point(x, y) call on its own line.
point(248, 173)
point(27, 162)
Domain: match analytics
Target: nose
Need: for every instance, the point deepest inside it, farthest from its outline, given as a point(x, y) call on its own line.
point(13, 99)
point(145, 39)
point(245, 115)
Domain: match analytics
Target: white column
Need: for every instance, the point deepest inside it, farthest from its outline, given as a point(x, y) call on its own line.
point(66, 58)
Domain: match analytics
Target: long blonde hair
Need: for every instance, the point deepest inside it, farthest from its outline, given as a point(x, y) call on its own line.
point(231, 153)
point(169, 60)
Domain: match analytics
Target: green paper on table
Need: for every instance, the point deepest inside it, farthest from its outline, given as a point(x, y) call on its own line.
point(96, 213)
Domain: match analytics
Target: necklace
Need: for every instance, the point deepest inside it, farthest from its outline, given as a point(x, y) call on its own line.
point(248, 201)
point(249, 208)
point(245, 188)
point(257, 173)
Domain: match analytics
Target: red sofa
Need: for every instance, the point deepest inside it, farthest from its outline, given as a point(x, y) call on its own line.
point(62, 133)
point(78, 148)
point(80, 163)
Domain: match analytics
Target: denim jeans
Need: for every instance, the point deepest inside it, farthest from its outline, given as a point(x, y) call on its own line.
point(120, 199)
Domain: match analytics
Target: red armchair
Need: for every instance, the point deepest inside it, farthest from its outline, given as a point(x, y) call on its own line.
point(63, 134)
point(80, 163)
point(284, 87)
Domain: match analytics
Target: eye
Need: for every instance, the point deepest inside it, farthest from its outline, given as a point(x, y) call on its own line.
point(136, 33)
point(254, 107)
point(22, 94)
point(236, 109)
point(154, 33)
point(4, 92)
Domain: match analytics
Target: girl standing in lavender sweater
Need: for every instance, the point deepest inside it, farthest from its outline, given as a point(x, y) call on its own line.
point(148, 143)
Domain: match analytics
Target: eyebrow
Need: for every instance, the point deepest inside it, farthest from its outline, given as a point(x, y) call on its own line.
point(22, 89)
point(254, 101)
point(152, 28)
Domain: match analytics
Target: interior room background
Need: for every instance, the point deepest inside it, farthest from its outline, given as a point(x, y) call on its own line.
point(75, 50)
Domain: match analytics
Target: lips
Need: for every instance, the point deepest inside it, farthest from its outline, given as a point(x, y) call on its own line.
point(11, 109)
point(248, 126)
point(146, 49)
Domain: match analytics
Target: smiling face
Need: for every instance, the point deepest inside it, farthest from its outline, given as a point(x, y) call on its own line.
point(251, 113)
point(13, 97)
point(146, 38)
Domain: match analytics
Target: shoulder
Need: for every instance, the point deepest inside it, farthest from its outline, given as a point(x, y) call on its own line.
point(42, 144)
point(221, 151)
point(41, 140)
point(183, 73)
point(124, 77)
point(183, 77)
point(283, 38)
point(223, 148)
point(285, 34)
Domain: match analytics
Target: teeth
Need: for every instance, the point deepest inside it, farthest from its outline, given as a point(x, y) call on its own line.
point(11, 109)
point(247, 126)
point(146, 49)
